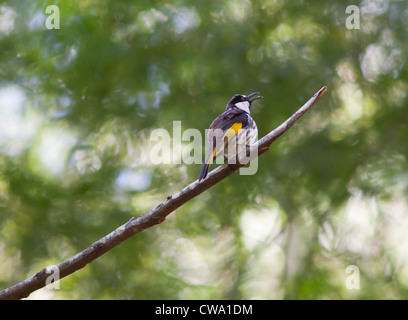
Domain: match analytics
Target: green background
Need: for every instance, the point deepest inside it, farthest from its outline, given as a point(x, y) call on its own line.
point(77, 106)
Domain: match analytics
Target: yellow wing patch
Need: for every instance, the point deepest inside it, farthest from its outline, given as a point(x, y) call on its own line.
point(212, 157)
point(233, 130)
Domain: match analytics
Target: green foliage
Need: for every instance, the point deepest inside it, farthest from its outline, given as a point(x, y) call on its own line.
point(77, 106)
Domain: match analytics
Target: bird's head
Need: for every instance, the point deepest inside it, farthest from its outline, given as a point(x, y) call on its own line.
point(242, 102)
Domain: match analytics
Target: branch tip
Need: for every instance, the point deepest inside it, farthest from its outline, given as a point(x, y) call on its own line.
point(321, 92)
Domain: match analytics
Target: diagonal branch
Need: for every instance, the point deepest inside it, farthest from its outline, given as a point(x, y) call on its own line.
point(155, 216)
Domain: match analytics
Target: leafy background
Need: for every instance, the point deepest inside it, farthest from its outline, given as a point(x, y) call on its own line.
point(78, 104)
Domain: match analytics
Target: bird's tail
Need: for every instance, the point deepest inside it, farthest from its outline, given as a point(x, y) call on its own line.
point(206, 165)
point(204, 171)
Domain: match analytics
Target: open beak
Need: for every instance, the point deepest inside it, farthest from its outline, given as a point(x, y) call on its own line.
point(254, 98)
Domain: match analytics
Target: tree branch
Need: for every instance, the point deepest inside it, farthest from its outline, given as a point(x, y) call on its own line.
point(155, 216)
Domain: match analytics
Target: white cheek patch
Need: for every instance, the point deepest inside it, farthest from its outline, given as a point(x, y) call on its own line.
point(243, 106)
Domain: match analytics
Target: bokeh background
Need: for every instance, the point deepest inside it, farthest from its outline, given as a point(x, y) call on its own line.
point(77, 106)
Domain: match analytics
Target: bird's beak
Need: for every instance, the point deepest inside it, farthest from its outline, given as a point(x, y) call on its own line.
point(254, 98)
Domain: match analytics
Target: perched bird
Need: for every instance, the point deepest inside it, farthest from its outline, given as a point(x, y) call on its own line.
point(234, 126)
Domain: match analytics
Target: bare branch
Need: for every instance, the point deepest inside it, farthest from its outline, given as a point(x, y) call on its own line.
point(155, 216)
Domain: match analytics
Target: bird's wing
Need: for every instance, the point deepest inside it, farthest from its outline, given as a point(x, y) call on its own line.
point(223, 128)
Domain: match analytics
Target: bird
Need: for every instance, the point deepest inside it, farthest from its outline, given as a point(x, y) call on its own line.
point(233, 126)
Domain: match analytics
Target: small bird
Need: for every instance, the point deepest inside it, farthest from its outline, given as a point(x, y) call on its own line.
point(228, 128)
